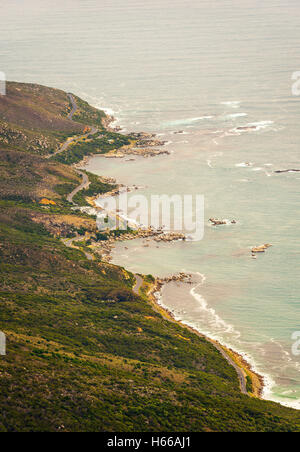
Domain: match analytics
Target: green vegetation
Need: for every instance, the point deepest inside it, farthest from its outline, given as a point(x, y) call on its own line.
point(96, 187)
point(86, 114)
point(104, 236)
point(98, 144)
point(84, 353)
point(249, 385)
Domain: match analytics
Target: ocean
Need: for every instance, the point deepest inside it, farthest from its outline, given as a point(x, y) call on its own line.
point(220, 72)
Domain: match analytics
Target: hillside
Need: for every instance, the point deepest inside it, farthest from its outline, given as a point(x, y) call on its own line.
point(84, 352)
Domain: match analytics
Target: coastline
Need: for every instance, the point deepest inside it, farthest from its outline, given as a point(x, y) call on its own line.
point(234, 358)
point(145, 355)
point(243, 368)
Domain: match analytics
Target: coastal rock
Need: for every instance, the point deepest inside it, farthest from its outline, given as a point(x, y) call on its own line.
point(260, 249)
point(150, 143)
point(118, 128)
point(108, 180)
point(247, 128)
point(141, 135)
point(142, 152)
point(287, 171)
point(180, 277)
point(217, 222)
point(118, 155)
point(170, 237)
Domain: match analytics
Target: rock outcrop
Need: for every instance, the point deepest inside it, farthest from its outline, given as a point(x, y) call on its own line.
point(217, 222)
point(180, 277)
point(287, 171)
point(261, 248)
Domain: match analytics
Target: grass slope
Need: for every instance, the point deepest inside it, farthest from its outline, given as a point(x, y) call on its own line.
point(34, 118)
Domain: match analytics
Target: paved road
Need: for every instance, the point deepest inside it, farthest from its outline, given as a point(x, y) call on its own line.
point(72, 140)
point(69, 244)
point(85, 184)
point(138, 285)
point(76, 138)
point(239, 371)
point(74, 106)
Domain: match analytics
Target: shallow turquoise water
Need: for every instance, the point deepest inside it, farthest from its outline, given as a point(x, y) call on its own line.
point(205, 68)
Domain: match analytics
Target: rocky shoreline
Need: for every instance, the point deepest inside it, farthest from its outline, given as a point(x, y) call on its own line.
point(105, 247)
point(143, 145)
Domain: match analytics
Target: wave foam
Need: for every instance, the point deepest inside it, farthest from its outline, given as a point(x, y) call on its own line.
point(236, 115)
point(187, 121)
point(260, 125)
point(244, 165)
point(232, 104)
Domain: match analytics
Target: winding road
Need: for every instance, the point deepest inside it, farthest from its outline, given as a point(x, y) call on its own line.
point(239, 371)
point(85, 180)
point(74, 106)
point(69, 244)
point(85, 184)
point(138, 285)
point(75, 139)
